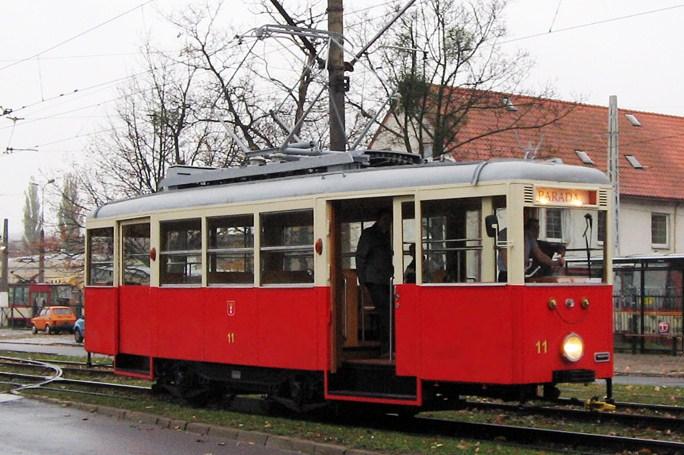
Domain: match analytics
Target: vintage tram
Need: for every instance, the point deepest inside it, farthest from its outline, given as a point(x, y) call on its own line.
point(244, 280)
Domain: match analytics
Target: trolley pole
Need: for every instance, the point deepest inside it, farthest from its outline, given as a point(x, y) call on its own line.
point(336, 80)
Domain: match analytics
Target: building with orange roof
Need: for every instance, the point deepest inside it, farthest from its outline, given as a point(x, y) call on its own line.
point(651, 158)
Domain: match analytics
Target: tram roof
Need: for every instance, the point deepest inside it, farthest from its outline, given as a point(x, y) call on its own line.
point(355, 180)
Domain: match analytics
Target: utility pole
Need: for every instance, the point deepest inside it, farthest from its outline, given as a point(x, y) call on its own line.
point(336, 79)
point(613, 169)
point(41, 251)
point(4, 278)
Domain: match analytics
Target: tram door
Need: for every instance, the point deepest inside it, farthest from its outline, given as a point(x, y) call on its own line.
point(134, 287)
point(359, 330)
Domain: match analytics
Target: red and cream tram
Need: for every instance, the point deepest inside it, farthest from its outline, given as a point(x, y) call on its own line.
point(244, 280)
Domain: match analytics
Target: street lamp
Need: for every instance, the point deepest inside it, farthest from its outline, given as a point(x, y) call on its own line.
point(41, 258)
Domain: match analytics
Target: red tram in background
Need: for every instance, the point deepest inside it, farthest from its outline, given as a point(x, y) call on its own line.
point(27, 299)
point(244, 280)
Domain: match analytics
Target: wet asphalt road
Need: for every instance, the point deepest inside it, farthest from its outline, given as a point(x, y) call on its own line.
point(29, 427)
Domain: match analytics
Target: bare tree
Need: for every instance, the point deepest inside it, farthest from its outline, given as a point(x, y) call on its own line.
point(158, 123)
point(444, 61)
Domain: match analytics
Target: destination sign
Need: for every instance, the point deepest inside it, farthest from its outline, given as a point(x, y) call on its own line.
point(562, 196)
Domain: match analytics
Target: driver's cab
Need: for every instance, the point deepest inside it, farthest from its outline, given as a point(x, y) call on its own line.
point(545, 242)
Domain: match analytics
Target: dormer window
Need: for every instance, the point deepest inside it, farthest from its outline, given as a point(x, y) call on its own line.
point(508, 104)
point(634, 162)
point(584, 157)
point(633, 120)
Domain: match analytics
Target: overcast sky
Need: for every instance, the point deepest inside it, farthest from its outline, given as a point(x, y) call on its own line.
point(586, 49)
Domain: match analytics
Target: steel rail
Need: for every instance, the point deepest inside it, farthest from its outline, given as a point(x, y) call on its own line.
point(483, 431)
point(629, 405)
point(65, 369)
point(44, 380)
point(637, 420)
point(528, 435)
point(63, 380)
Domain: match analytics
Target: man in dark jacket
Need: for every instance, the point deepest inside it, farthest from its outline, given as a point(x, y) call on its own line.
point(374, 269)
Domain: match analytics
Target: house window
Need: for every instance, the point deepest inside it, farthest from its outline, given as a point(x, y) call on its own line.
point(181, 252)
point(601, 232)
point(287, 247)
point(553, 223)
point(659, 224)
point(231, 250)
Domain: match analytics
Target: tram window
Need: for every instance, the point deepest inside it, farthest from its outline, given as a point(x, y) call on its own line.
point(181, 252)
point(230, 257)
point(452, 240)
point(136, 254)
point(287, 247)
point(101, 257)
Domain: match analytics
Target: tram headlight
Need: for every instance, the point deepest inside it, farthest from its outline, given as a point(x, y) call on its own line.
point(573, 347)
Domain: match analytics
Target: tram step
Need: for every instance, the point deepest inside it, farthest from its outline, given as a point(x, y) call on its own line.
point(374, 379)
point(385, 396)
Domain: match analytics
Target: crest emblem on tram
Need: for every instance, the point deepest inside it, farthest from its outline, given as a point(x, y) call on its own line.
point(230, 304)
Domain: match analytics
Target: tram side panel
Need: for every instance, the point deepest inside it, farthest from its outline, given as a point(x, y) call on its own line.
point(460, 334)
point(103, 319)
point(267, 327)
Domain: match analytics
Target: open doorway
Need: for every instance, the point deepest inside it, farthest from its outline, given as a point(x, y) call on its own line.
point(360, 331)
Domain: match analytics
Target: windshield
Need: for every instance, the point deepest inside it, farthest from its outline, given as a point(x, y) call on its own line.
point(62, 311)
point(560, 245)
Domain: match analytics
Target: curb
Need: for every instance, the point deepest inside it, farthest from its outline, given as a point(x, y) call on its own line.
point(254, 438)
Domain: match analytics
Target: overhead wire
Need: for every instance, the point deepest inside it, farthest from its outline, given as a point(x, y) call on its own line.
point(594, 23)
point(78, 35)
point(110, 82)
point(75, 91)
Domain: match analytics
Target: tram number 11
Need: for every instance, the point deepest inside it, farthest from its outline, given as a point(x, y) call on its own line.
point(231, 337)
point(542, 347)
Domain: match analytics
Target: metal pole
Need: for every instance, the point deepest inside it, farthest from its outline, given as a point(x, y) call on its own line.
point(338, 138)
point(4, 278)
point(613, 170)
point(41, 251)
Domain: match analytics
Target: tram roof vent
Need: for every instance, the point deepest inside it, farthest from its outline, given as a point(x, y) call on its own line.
point(261, 169)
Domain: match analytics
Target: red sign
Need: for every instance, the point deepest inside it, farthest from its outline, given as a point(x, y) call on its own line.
point(663, 327)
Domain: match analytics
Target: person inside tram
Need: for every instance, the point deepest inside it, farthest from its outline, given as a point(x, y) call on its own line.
point(537, 261)
point(410, 272)
point(374, 269)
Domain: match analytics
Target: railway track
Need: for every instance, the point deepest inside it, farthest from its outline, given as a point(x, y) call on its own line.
point(71, 367)
point(660, 422)
point(421, 425)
